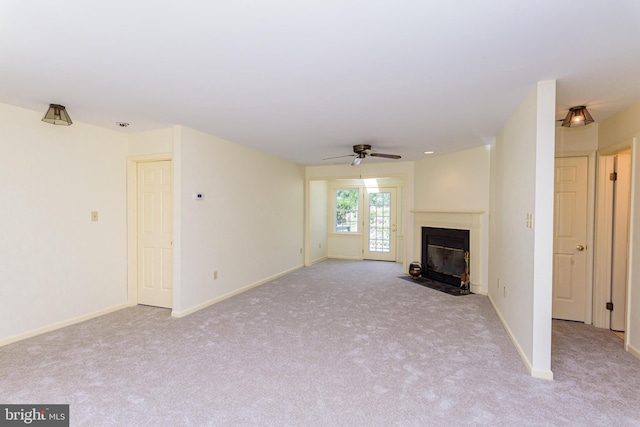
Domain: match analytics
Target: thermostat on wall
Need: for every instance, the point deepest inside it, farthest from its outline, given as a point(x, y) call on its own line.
point(198, 196)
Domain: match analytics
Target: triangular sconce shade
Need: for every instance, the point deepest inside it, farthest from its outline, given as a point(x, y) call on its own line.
point(57, 115)
point(577, 116)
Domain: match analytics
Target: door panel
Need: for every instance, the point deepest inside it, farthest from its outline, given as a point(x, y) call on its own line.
point(570, 236)
point(155, 233)
point(380, 224)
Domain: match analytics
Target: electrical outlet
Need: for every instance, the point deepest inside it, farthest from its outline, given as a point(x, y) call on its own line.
point(319, 245)
point(504, 291)
point(94, 215)
point(300, 250)
point(498, 283)
point(215, 275)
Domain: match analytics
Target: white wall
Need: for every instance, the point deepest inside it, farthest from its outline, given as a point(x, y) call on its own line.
point(248, 227)
point(158, 141)
point(63, 268)
point(623, 126)
point(522, 160)
point(318, 219)
point(458, 182)
point(366, 169)
point(582, 139)
point(56, 265)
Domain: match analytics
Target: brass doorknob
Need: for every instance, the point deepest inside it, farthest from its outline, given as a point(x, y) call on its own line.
point(580, 248)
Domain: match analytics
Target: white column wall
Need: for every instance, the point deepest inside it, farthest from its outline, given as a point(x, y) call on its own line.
point(520, 266)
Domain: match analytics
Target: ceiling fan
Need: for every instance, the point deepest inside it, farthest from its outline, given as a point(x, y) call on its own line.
point(363, 150)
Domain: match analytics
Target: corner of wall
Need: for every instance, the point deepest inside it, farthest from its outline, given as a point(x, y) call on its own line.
point(177, 217)
point(520, 261)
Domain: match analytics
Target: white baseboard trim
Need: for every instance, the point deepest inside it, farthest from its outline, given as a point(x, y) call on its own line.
point(183, 313)
point(477, 289)
point(315, 261)
point(352, 258)
point(545, 374)
point(62, 324)
point(536, 373)
point(634, 351)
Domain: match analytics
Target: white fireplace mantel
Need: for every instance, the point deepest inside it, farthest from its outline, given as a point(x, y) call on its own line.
point(460, 220)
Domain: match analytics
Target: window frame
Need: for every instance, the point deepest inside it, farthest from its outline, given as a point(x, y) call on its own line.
point(357, 210)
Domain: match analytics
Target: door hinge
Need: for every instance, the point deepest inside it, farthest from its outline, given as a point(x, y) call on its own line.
point(610, 306)
point(613, 176)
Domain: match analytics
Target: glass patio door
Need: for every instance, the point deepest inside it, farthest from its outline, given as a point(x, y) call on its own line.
point(380, 224)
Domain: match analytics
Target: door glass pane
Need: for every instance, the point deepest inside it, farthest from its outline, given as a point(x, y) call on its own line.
point(379, 222)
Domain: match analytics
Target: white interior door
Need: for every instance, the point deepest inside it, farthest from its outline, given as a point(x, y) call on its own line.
point(155, 233)
point(380, 226)
point(569, 240)
point(620, 244)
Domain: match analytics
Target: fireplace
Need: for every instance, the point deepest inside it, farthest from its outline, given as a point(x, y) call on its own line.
point(445, 254)
point(475, 222)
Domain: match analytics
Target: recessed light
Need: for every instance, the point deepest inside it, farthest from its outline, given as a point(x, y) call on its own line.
point(428, 152)
point(122, 124)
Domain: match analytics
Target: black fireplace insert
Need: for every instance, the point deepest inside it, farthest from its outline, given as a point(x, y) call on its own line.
point(443, 254)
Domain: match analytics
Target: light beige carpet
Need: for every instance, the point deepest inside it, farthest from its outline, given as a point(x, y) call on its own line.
point(341, 343)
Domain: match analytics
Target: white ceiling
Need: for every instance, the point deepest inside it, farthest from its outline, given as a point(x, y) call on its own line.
point(307, 79)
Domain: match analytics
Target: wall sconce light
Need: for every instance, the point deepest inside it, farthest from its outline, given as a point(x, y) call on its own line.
point(577, 116)
point(57, 115)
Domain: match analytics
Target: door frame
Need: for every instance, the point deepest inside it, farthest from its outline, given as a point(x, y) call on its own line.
point(393, 230)
point(132, 222)
point(591, 175)
point(602, 255)
point(621, 239)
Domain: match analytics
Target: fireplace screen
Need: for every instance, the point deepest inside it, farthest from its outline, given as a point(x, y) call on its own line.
point(446, 260)
point(443, 254)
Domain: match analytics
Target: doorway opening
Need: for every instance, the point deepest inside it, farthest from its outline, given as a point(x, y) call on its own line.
point(612, 238)
point(603, 255)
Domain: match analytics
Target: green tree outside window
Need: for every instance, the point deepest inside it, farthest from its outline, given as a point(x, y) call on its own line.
point(346, 210)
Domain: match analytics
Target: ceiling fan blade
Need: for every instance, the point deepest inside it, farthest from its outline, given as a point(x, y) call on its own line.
point(338, 157)
point(388, 156)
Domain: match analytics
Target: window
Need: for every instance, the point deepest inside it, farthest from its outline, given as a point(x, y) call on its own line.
point(346, 210)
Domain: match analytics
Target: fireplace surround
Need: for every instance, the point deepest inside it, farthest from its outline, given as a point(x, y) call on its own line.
point(473, 221)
